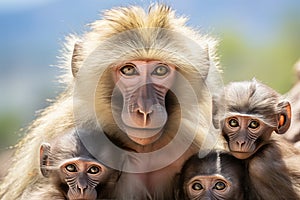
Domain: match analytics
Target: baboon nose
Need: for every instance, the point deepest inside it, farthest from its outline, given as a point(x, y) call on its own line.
point(240, 143)
point(145, 115)
point(82, 189)
point(82, 186)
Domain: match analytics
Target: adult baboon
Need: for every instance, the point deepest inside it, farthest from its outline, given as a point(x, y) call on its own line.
point(143, 77)
point(5, 157)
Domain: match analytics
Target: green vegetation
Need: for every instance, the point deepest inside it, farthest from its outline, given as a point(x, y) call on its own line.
point(269, 61)
point(10, 124)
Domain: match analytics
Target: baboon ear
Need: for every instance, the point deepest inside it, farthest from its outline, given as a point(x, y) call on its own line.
point(44, 159)
point(284, 117)
point(76, 58)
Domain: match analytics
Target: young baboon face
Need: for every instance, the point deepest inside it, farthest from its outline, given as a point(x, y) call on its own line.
point(73, 171)
point(208, 186)
point(82, 176)
point(245, 134)
point(215, 176)
point(253, 112)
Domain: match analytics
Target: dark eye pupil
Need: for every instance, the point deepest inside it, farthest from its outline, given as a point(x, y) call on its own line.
point(233, 123)
point(197, 186)
point(94, 170)
point(71, 168)
point(220, 186)
point(128, 70)
point(254, 124)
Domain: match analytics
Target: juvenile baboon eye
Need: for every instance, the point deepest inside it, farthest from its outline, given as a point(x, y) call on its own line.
point(197, 186)
point(94, 170)
point(160, 70)
point(220, 185)
point(128, 70)
point(233, 123)
point(71, 168)
point(254, 124)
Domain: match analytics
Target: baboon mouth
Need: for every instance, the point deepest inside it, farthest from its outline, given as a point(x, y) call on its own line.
point(241, 154)
point(144, 128)
point(143, 136)
point(145, 141)
point(142, 132)
point(242, 151)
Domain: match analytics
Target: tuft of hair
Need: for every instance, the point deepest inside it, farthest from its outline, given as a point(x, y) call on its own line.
point(215, 162)
point(127, 33)
point(254, 98)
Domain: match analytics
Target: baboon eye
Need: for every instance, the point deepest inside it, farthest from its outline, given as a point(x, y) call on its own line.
point(71, 168)
point(233, 123)
point(197, 186)
point(253, 124)
point(160, 70)
point(220, 185)
point(129, 70)
point(94, 170)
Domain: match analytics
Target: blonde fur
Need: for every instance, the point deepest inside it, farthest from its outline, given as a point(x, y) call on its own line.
point(126, 33)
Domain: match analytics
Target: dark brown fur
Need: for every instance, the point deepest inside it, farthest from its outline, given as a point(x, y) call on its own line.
point(274, 171)
point(217, 163)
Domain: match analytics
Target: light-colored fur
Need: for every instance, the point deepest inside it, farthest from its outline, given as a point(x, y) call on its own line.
point(126, 33)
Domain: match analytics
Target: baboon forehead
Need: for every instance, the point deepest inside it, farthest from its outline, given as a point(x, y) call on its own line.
point(204, 166)
point(128, 33)
point(68, 145)
point(216, 162)
point(251, 97)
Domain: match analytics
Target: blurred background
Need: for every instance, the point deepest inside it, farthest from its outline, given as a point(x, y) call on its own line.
point(257, 39)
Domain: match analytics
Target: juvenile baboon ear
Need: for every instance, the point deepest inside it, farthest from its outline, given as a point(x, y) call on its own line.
point(44, 159)
point(76, 58)
point(284, 117)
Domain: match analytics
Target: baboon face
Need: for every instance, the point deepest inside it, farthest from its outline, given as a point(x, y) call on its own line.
point(73, 171)
point(144, 85)
point(82, 176)
point(254, 112)
point(208, 187)
point(218, 175)
point(245, 135)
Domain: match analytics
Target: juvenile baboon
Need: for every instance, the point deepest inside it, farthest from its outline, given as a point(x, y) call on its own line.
point(71, 172)
point(218, 175)
point(143, 77)
point(253, 114)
